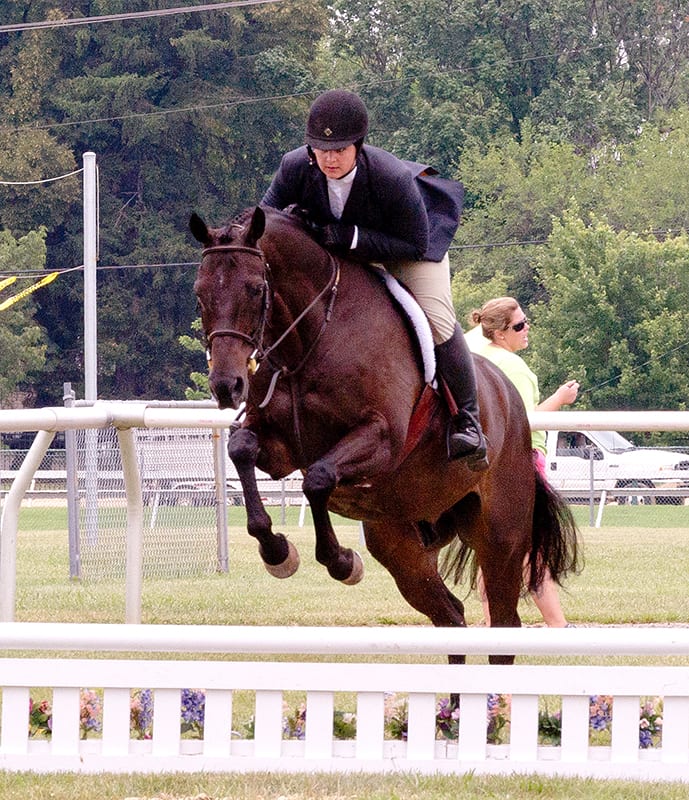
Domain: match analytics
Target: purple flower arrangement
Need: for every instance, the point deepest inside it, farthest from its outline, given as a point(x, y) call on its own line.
point(193, 705)
point(193, 712)
point(600, 720)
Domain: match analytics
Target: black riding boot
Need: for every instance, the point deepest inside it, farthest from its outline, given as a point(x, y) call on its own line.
point(456, 367)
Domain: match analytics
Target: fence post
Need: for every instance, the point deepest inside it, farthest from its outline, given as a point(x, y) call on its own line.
point(220, 471)
point(72, 489)
point(135, 525)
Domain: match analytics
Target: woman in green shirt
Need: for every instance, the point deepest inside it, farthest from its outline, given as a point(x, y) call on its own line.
point(501, 329)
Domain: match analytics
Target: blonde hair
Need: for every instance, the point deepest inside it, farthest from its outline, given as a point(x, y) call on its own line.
point(494, 315)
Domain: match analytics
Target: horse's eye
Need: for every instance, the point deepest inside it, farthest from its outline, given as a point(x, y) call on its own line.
point(256, 289)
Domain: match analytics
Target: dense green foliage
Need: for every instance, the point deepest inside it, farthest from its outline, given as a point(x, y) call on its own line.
point(568, 122)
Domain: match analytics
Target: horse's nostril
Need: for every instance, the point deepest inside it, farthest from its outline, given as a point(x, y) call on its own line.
point(228, 392)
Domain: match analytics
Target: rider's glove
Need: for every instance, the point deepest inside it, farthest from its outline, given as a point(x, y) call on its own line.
point(337, 236)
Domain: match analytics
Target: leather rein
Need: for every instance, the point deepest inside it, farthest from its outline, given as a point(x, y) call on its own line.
point(255, 339)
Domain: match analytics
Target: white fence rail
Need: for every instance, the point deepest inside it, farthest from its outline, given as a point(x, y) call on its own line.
point(369, 679)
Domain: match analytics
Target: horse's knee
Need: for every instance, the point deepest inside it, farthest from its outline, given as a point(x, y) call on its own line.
point(320, 479)
point(242, 447)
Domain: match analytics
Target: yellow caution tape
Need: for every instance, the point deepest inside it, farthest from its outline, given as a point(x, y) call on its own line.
point(24, 292)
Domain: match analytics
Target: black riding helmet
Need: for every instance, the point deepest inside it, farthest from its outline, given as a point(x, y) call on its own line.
point(337, 118)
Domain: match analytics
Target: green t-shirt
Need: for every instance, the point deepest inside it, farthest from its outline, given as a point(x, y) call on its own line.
point(516, 370)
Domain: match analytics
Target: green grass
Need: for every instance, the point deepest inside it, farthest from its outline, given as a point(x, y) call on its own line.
point(320, 786)
point(643, 516)
point(632, 574)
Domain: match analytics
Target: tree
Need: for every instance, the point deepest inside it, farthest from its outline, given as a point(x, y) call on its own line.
point(645, 183)
point(173, 109)
point(514, 190)
point(652, 40)
point(617, 316)
point(24, 343)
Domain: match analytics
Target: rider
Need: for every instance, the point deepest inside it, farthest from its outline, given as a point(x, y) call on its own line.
point(368, 205)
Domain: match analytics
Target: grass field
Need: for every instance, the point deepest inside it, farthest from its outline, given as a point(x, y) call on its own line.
point(633, 574)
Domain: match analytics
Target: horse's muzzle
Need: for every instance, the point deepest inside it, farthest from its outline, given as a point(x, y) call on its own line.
point(229, 391)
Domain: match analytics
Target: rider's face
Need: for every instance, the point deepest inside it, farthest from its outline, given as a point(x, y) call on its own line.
point(336, 163)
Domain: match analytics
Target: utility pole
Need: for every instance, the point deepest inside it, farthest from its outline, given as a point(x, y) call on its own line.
point(90, 341)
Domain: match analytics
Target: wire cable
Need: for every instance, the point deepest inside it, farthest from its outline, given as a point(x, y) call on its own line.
point(159, 12)
point(44, 180)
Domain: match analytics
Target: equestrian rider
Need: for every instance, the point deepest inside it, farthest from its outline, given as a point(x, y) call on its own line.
point(367, 205)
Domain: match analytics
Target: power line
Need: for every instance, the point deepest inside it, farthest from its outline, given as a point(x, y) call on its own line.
point(37, 273)
point(636, 367)
point(160, 12)
point(509, 62)
point(161, 112)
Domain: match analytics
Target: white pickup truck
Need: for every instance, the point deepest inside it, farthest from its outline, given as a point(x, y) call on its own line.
point(605, 460)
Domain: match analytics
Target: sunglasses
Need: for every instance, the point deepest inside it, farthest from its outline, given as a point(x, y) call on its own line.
point(519, 326)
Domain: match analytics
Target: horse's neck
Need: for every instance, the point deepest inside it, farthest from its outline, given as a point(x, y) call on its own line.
point(299, 271)
point(300, 274)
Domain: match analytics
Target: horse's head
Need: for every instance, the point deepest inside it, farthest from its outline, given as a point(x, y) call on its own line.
point(232, 291)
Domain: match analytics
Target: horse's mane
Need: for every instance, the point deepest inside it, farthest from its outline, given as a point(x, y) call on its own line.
point(292, 214)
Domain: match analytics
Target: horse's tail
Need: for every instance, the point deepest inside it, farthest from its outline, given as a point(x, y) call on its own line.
point(554, 543)
point(555, 538)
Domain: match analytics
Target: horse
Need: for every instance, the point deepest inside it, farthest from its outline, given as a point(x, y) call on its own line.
point(332, 377)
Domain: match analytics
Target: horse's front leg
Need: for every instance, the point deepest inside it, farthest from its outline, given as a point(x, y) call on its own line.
point(279, 555)
point(342, 563)
point(364, 451)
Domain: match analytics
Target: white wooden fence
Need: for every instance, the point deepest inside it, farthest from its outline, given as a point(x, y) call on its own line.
point(369, 678)
point(321, 682)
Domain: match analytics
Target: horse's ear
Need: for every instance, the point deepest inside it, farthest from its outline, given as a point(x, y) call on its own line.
point(256, 227)
point(198, 227)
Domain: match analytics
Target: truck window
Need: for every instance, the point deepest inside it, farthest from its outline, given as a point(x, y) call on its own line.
point(574, 443)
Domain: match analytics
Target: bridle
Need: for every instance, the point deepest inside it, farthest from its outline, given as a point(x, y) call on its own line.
point(255, 339)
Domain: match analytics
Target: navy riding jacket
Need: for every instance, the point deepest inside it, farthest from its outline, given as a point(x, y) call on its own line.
point(402, 211)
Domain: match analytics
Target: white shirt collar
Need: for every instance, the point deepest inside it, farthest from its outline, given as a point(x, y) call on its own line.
point(338, 192)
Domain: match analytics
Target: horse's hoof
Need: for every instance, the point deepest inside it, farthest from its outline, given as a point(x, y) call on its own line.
point(357, 572)
point(288, 567)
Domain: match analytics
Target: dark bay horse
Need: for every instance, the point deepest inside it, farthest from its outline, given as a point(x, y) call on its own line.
point(338, 382)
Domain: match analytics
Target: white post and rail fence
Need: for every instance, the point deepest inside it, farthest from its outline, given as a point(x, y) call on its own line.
point(370, 681)
point(412, 664)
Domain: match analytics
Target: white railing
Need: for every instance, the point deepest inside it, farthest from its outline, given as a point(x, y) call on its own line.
point(369, 679)
point(125, 416)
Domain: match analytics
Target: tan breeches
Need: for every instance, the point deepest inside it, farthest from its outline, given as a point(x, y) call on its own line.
point(429, 282)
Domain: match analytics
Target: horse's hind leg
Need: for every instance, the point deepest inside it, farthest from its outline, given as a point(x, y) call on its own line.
point(414, 567)
point(279, 555)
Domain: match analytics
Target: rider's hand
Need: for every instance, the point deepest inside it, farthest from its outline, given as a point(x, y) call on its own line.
point(337, 236)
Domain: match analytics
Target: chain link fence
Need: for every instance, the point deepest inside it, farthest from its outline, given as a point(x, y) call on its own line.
point(185, 506)
point(181, 535)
